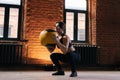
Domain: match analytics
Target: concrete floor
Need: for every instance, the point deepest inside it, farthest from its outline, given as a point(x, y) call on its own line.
point(46, 75)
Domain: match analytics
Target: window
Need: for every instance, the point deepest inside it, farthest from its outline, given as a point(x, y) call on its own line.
point(1, 31)
point(10, 16)
point(75, 19)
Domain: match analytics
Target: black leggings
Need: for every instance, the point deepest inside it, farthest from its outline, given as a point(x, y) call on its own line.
point(72, 58)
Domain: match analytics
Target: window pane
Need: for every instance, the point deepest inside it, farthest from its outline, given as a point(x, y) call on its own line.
point(16, 2)
point(70, 24)
point(2, 13)
point(81, 26)
point(75, 4)
point(13, 23)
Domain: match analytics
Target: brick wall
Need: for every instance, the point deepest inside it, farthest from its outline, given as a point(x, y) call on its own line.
point(40, 15)
point(108, 30)
point(104, 29)
point(92, 22)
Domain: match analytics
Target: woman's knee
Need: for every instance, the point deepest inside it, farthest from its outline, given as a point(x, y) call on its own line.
point(53, 55)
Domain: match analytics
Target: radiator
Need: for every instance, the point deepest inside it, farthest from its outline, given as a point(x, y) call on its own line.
point(11, 54)
point(88, 54)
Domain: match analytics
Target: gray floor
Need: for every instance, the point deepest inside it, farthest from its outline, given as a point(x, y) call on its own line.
point(46, 75)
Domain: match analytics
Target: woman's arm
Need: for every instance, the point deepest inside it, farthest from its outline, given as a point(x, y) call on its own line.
point(63, 47)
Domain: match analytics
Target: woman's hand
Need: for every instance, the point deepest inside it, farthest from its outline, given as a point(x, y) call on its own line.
point(56, 39)
point(62, 46)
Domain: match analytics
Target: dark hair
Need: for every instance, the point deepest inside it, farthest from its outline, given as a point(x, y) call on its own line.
point(61, 24)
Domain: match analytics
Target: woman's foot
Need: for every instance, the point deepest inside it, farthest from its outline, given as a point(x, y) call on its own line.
point(73, 74)
point(59, 73)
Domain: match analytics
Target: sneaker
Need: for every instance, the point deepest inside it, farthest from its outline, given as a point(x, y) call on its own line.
point(73, 74)
point(59, 73)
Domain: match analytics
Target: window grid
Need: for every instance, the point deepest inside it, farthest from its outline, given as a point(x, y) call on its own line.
point(10, 32)
point(79, 28)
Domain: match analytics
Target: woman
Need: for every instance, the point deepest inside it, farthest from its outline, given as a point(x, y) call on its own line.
point(68, 54)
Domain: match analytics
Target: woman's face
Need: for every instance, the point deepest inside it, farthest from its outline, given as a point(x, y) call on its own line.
point(58, 29)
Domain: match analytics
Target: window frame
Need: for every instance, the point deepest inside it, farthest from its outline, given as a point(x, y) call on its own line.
point(6, 20)
point(75, 27)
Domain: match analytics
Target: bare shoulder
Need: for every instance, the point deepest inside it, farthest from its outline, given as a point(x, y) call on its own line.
point(66, 37)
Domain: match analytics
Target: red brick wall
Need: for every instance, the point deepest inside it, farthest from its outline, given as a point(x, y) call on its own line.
point(104, 29)
point(92, 22)
point(40, 15)
point(108, 30)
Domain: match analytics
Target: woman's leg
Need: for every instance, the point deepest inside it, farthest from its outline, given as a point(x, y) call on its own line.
point(56, 57)
point(73, 59)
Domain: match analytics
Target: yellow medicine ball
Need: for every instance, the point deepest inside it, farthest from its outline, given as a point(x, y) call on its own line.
point(46, 37)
